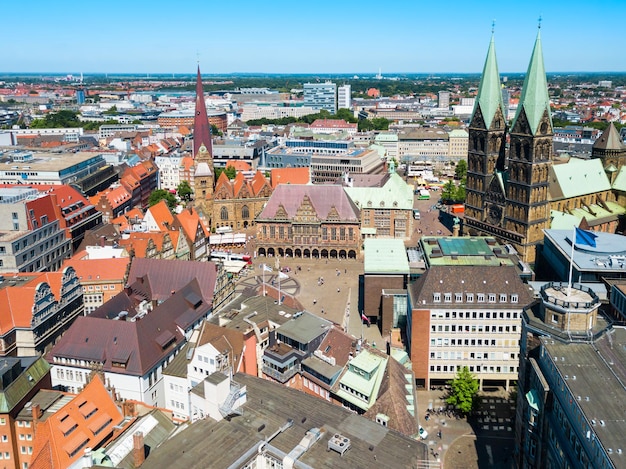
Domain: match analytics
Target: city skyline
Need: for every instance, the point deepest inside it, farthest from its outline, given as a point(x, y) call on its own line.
point(363, 38)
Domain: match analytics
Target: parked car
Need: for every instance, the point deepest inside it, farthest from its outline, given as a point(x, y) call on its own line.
point(423, 433)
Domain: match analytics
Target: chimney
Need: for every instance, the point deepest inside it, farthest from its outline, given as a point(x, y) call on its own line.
point(36, 413)
point(139, 452)
point(102, 240)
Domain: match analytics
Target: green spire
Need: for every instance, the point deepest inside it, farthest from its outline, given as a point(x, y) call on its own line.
point(489, 91)
point(535, 99)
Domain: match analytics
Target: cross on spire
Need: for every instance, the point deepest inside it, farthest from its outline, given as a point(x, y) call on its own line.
point(539, 22)
point(493, 25)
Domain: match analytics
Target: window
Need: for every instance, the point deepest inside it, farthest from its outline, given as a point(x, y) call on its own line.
point(480, 297)
point(437, 297)
point(447, 297)
point(458, 297)
point(502, 297)
point(492, 297)
point(514, 298)
point(470, 297)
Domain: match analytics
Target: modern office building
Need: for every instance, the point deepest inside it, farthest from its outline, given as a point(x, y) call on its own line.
point(444, 99)
point(344, 97)
point(466, 316)
point(321, 96)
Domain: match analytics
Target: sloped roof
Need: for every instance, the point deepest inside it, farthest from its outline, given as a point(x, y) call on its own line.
point(323, 199)
point(161, 215)
point(189, 219)
point(396, 194)
point(203, 169)
point(139, 344)
point(577, 177)
point(223, 338)
point(396, 399)
point(619, 183)
point(166, 276)
point(99, 269)
point(609, 140)
point(290, 176)
point(489, 96)
point(33, 370)
point(86, 421)
point(535, 99)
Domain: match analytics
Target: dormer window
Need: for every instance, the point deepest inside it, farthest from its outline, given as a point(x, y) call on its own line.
point(480, 297)
point(469, 297)
point(437, 297)
point(502, 297)
point(447, 297)
point(458, 297)
point(492, 297)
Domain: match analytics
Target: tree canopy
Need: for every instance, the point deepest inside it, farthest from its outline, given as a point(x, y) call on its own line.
point(460, 171)
point(161, 194)
point(463, 391)
point(184, 190)
point(451, 193)
point(230, 171)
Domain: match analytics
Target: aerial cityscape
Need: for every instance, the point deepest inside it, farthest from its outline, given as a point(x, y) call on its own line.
point(306, 248)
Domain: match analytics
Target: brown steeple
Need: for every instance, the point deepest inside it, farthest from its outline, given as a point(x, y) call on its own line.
point(610, 149)
point(201, 127)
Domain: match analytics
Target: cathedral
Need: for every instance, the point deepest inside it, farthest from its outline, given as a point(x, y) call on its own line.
point(507, 188)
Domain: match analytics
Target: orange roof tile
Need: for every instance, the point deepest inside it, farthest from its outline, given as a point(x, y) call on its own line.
point(99, 269)
point(85, 421)
point(290, 176)
point(161, 214)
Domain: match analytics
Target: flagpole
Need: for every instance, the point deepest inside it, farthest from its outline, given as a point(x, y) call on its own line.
point(571, 265)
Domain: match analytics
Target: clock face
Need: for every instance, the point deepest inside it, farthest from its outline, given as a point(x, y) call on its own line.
point(494, 214)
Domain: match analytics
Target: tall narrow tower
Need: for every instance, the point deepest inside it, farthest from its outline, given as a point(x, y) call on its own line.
point(204, 175)
point(201, 127)
point(528, 209)
point(485, 202)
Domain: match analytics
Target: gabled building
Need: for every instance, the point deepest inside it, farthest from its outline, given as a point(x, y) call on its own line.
point(112, 202)
point(237, 203)
point(309, 221)
point(195, 232)
point(387, 211)
point(37, 309)
point(100, 279)
point(85, 423)
point(142, 179)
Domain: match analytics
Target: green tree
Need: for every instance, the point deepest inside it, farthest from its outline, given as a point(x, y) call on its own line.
point(184, 190)
point(346, 114)
point(161, 194)
point(460, 171)
point(448, 192)
point(112, 111)
point(463, 391)
point(215, 131)
point(230, 171)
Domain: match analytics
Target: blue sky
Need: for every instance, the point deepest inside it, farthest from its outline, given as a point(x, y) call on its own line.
point(315, 36)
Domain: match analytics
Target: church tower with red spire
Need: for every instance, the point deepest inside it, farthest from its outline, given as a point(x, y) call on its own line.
point(204, 176)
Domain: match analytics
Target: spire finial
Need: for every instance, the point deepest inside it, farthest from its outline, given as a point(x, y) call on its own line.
point(493, 25)
point(198, 57)
point(539, 22)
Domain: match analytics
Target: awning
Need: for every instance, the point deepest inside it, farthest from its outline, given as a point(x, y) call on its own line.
point(533, 399)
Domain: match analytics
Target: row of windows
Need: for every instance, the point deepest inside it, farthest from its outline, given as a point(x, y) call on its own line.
point(476, 328)
point(474, 356)
point(480, 297)
point(97, 287)
point(477, 368)
point(475, 314)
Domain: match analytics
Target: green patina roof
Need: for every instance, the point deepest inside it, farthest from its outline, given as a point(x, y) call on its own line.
point(535, 99)
point(386, 137)
point(619, 183)
point(489, 91)
point(396, 194)
point(21, 386)
point(562, 220)
point(372, 364)
point(578, 177)
point(385, 255)
point(458, 133)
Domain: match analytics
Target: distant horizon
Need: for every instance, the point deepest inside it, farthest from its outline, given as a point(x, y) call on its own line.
point(372, 75)
point(327, 37)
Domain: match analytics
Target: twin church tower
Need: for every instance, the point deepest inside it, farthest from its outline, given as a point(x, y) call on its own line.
point(507, 189)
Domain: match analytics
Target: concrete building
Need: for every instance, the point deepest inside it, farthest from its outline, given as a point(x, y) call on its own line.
point(466, 316)
point(321, 96)
point(253, 111)
point(423, 144)
point(443, 99)
point(571, 392)
point(344, 97)
point(31, 236)
point(458, 141)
